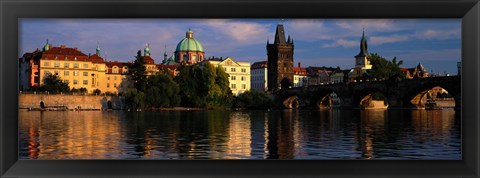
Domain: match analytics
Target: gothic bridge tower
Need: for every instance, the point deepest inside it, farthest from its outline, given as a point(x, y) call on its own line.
point(280, 61)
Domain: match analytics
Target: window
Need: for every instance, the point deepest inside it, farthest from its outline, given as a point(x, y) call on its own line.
point(233, 78)
point(244, 86)
point(114, 84)
point(46, 72)
point(114, 77)
point(85, 65)
point(244, 70)
point(46, 63)
point(85, 74)
point(85, 82)
point(75, 82)
point(114, 69)
point(56, 64)
point(66, 65)
point(232, 69)
point(56, 72)
point(108, 85)
point(225, 68)
point(65, 81)
point(243, 78)
point(234, 86)
point(108, 78)
point(75, 73)
point(75, 65)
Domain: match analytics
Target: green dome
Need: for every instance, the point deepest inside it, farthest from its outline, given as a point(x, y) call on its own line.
point(189, 44)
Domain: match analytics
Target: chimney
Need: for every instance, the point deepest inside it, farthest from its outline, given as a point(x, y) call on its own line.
point(299, 64)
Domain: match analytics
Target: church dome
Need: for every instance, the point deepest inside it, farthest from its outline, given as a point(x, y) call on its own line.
point(189, 43)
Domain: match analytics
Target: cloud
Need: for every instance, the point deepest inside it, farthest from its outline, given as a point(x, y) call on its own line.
point(240, 32)
point(379, 40)
point(438, 34)
point(341, 43)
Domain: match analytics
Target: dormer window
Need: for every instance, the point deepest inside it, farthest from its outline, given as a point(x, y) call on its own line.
point(115, 69)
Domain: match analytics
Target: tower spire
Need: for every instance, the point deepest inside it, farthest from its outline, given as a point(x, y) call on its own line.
point(46, 47)
point(146, 51)
point(279, 35)
point(98, 49)
point(165, 54)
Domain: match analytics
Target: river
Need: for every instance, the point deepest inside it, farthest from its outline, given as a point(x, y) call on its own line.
point(220, 134)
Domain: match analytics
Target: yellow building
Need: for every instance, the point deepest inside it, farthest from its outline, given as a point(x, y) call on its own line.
point(72, 66)
point(239, 73)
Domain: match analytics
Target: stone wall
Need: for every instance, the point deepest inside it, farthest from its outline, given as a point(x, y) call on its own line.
point(70, 101)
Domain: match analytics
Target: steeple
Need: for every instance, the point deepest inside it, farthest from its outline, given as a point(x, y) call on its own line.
point(165, 53)
point(98, 49)
point(46, 47)
point(288, 39)
point(146, 51)
point(279, 35)
point(363, 45)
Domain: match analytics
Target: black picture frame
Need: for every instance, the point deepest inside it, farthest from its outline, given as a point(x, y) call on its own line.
point(11, 11)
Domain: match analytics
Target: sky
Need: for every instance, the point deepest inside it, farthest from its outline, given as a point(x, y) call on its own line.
point(435, 43)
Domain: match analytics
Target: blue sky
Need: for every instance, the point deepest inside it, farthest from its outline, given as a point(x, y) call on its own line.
point(436, 43)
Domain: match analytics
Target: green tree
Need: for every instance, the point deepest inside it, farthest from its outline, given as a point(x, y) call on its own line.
point(254, 99)
point(53, 83)
point(162, 91)
point(134, 99)
point(384, 69)
point(97, 91)
point(204, 86)
point(138, 73)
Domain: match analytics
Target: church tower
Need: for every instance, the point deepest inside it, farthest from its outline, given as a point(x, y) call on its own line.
point(280, 61)
point(361, 60)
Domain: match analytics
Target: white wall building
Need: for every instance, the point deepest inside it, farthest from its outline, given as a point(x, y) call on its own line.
point(259, 75)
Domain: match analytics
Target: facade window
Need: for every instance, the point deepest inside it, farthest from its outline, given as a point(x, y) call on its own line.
point(108, 85)
point(75, 73)
point(75, 65)
point(244, 70)
point(85, 65)
point(46, 63)
point(66, 65)
point(114, 77)
point(114, 84)
point(234, 86)
point(244, 86)
point(233, 78)
point(66, 81)
point(46, 72)
point(225, 68)
point(108, 78)
point(75, 82)
point(85, 74)
point(232, 69)
point(85, 82)
point(56, 64)
point(243, 78)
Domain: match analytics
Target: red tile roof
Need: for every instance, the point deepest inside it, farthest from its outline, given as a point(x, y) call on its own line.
point(300, 71)
point(96, 59)
point(149, 60)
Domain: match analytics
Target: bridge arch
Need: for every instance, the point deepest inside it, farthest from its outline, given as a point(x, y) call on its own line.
point(417, 90)
point(370, 98)
point(434, 97)
point(326, 99)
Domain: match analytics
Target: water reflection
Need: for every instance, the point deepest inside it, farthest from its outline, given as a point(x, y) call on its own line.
point(286, 134)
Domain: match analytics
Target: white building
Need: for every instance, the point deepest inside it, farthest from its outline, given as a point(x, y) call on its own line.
point(259, 75)
point(239, 73)
point(299, 76)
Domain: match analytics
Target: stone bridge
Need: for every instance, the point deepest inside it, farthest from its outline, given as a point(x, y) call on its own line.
point(407, 93)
